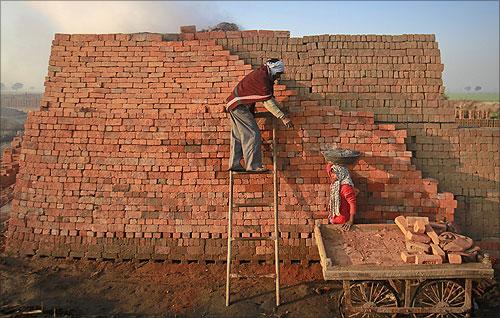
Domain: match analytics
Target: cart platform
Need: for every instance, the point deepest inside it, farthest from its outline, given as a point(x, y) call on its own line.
point(375, 280)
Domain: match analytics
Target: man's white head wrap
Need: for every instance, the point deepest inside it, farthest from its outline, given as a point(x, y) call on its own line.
point(276, 67)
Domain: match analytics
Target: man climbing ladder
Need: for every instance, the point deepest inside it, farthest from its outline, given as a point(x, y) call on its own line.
point(258, 86)
point(246, 142)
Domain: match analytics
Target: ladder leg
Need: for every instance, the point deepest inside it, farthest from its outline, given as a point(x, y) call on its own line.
point(229, 237)
point(276, 230)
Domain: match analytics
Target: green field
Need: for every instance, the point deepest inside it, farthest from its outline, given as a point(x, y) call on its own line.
point(485, 97)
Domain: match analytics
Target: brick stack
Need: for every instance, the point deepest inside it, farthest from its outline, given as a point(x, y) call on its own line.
point(396, 77)
point(399, 79)
point(466, 161)
point(24, 102)
point(127, 156)
point(9, 167)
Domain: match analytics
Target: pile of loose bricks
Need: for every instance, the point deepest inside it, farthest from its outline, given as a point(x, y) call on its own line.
point(425, 246)
point(127, 156)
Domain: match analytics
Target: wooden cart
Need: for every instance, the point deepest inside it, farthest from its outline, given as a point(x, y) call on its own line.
point(389, 287)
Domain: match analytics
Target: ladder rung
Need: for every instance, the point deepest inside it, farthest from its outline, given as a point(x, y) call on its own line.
point(265, 238)
point(253, 276)
point(253, 172)
point(253, 205)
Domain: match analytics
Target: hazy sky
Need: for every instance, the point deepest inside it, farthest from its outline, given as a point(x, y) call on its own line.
point(467, 31)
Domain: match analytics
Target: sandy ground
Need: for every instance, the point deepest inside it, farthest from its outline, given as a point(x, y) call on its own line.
point(81, 288)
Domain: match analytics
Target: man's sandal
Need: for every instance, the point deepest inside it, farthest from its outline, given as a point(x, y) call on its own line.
point(260, 169)
point(236, 169)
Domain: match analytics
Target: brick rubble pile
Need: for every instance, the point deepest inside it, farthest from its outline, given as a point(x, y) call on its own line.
point(432, 243)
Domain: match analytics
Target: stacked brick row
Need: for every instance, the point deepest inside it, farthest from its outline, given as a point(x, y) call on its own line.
point(127, 158)
point(478, 123)
point(472, 114)
point(9, 167)
point(24, 102)
point(468, 115)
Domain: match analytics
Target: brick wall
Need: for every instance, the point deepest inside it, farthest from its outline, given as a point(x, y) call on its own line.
point(126, 157)
point(466, 161)
point(399, 79)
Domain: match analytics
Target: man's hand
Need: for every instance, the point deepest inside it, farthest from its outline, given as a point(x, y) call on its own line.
point(347, 226)
point(287, 122)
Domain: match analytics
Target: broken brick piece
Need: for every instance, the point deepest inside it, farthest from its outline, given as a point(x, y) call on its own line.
point(438, 227)
point(419, 227)
point(407, 257)
point(436, 250)
point(454, 258)
point(402, 224)
point(417, 237)
point(428, 259)
point(417, 247)
point(432, 234)
point(412, 219)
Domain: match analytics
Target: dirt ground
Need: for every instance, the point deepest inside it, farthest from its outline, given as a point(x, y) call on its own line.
point(83, 288)
point(89, 288)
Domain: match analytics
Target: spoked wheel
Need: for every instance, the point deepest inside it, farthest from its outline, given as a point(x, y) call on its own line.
point(439, 294)
point(369, 294)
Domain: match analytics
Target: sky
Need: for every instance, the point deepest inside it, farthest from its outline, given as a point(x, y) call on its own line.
point(467, 31)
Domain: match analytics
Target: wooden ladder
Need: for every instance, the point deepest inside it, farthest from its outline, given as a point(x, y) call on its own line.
point(274, 238)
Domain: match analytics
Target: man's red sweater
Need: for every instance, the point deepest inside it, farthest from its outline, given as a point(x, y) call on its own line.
point(255, 87)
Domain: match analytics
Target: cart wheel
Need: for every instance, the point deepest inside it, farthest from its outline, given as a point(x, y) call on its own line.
point(370, 294)
point(439, 293)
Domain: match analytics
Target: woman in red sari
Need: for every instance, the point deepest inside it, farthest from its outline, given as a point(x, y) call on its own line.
point(342, 203)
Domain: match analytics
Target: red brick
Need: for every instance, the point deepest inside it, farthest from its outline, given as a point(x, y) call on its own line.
point(428, 259)
point(417, 247)
point(454, 258)
point(408, 258)
point(419, 227)
point(416, 237)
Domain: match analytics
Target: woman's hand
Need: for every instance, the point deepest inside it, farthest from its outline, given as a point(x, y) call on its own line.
point(347, 225)
point(356, 191)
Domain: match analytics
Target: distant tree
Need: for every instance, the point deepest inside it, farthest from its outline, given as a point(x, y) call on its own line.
point(478, 88)
point(223, 26)
point(17, 86)
point(2, 86)
point(467, 88)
